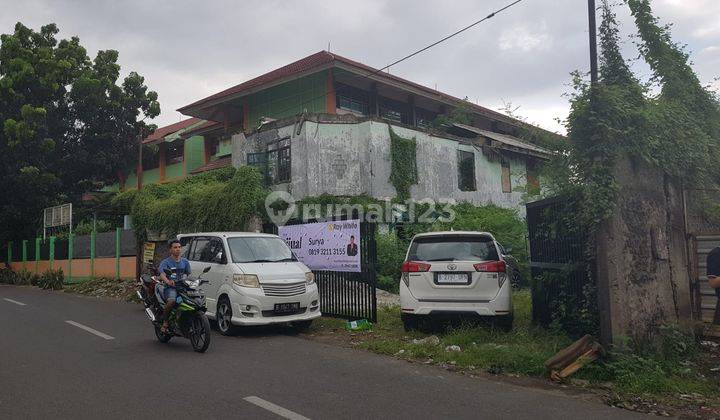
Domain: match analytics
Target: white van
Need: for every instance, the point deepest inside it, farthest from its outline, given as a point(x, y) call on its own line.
point(254, 279)
point(455, 273)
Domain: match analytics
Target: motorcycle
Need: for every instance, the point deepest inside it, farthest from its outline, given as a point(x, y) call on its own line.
point(187, 318)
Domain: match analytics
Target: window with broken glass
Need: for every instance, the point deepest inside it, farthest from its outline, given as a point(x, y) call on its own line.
point(278, 161)
point(393, 110)
point(352, 99)
point(424, 118)
point(466, 170)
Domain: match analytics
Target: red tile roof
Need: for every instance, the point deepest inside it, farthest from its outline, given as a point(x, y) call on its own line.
point(217, 164)
point(324, 58)
point(169, 129)
point(312, 61)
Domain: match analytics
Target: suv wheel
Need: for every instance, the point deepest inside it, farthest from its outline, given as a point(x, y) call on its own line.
point(410, 322)
point(504, 322)
point(223, 316)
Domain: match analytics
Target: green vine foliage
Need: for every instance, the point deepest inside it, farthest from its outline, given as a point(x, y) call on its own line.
point(404, 164)
point(219, 200)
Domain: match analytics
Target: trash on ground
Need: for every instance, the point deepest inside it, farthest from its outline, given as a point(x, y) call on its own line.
point(359, 325)
point(433, 340)
point(572, 358)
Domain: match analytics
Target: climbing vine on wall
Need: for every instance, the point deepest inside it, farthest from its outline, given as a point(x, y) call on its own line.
point(403, 171)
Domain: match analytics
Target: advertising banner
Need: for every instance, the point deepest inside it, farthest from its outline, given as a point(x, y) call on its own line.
point(330, 246)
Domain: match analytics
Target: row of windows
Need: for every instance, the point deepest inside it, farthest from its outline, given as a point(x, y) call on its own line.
point(356, 100)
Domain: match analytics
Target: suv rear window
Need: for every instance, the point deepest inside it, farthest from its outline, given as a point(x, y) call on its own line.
point(453, 248)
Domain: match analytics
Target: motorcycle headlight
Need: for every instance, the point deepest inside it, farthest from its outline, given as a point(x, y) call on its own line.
point(309, 278)
point(246, 280)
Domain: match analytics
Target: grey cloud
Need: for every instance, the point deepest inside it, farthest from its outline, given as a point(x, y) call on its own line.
point(188, 50)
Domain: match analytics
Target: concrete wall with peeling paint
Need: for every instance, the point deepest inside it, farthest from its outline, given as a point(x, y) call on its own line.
point(353, 158)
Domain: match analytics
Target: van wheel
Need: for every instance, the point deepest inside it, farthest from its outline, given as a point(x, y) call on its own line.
point(410, 322)
point(223, 316)
point(504, 322)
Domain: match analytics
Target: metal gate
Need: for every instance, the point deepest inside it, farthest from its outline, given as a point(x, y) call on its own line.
point(346, 294)
point(561, 273)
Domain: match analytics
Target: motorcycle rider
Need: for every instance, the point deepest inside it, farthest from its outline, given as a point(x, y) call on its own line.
point(178, 266)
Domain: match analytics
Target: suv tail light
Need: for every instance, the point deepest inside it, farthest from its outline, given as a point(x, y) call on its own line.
point(490, 267)
point(412, 267)
point(415, 267)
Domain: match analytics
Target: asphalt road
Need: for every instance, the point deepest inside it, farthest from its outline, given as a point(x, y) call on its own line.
point(69, 356)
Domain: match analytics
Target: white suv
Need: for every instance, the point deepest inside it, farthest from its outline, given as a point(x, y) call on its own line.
point(254, 279)
point(455, 273)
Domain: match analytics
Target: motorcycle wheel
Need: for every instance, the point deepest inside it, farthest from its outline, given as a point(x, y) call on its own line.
point(163, 338)
point(200, 333)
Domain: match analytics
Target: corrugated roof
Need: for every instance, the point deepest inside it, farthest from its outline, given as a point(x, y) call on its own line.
point(161, 132)
point(217, 164)
point(505, 139)
point(202, 128)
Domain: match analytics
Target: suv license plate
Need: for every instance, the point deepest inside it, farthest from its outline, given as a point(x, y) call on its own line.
point(287, 307)
point(452, 278)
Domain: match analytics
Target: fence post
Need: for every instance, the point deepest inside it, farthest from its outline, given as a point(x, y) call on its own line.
point(24, 253)
point(52, 252)
point(9, 254)
point(118, 232)
point(92, 253)
point(37, 255)
point(70, 256)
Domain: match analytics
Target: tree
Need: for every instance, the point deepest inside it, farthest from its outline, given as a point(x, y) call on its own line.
point(67, 125)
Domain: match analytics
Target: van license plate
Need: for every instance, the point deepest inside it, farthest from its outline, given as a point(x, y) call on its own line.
point(281, 308)
point(452, 278)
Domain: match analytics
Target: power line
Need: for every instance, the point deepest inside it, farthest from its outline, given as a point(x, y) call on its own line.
point(491, 15)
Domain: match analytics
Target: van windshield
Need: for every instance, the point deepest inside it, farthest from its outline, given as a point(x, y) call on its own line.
point(259, 249)
point(453, 248)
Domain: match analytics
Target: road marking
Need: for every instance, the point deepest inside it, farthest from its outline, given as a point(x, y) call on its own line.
point(14, 301)
point(91, 330)
point(282, 412)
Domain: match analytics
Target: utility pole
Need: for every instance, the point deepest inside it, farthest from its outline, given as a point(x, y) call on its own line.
point(593, 43)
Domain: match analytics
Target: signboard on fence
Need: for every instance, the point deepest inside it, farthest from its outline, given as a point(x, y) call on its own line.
point(148, 252)
point(333, 246)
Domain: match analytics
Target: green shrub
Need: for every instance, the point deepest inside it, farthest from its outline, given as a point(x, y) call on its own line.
point(391, 284)
point(214, 201)
point(7, 276)
point(26, 278)
point(390, 256)
point(51, 279)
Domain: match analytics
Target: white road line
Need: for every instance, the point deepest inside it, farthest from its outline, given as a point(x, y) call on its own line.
point(282, 412)
point(14, 301)
point(91, 330)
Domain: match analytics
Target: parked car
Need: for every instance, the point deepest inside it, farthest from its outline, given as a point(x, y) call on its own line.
point(513, 267)
point(457, 273)
point(255, 280)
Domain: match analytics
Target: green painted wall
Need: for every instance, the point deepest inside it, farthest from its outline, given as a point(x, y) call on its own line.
point(174, 171)
point(289, 98)
point(111, 188)
point(151, 176)
point(194, 152)
point(131, 181)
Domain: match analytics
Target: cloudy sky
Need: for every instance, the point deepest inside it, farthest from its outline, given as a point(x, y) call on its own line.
point(188, 49)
